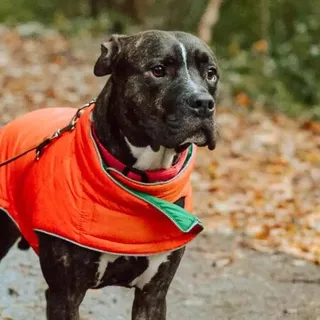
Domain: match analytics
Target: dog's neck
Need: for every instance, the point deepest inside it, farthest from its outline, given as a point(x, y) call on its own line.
point(109, 133)
point(147, 159)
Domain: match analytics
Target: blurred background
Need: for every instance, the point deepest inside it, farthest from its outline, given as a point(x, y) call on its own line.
point(269, 49)
point(258, 193)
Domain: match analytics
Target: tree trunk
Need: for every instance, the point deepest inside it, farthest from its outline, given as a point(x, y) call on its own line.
point(208, 20)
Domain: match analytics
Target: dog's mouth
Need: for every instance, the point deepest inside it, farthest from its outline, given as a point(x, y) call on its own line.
point(209, 135)
point(180, 134)
point(204, 138)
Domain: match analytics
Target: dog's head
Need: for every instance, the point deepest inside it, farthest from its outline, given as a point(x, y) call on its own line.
point(165, 85)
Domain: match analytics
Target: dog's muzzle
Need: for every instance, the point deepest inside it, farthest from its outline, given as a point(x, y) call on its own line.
point(202, 104)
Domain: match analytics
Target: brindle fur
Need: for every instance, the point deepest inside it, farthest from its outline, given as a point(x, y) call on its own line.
point(149, 112)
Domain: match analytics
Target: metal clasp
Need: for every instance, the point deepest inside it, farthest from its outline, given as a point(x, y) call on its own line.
point(71, 125)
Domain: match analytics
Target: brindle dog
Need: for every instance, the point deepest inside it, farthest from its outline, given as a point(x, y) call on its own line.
point(159, 98)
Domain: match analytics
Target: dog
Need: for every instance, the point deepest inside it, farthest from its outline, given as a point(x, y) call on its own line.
point(157, 104)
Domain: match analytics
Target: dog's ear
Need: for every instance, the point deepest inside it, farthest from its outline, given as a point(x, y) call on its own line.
point(110, 50)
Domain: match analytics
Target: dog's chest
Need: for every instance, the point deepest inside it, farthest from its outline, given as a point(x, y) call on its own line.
point(127, 271)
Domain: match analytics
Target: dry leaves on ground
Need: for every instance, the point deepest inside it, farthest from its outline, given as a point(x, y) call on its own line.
point(263, 179)
point(43, 72)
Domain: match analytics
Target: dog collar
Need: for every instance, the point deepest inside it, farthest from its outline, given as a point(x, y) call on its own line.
point(136, 174)
point(147, 218)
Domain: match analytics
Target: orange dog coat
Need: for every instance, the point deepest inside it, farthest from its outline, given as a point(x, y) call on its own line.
point(72, 194)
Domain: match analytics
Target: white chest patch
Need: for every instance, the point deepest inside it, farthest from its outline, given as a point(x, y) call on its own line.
point(147, 159)
point(154, 264)
point(102, 266)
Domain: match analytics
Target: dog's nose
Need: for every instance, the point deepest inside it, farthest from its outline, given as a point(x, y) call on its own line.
point(202, 104)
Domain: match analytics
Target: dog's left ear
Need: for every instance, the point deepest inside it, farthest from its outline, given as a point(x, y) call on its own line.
point(110, 50)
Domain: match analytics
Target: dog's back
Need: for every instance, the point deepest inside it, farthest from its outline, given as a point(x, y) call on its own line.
point(19, 136)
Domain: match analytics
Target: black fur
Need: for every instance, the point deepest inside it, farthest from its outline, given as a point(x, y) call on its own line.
point(149, 111)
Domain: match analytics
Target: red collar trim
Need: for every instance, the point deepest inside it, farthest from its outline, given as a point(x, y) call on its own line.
point(138, 175)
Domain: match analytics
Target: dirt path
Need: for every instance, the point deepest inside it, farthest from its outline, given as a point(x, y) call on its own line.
point(255, 287)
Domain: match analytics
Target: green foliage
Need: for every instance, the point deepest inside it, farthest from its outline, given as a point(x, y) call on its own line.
point(178, 15)
point(17, 11)
point(284, 74)
point(69, 17)
point(266, 84)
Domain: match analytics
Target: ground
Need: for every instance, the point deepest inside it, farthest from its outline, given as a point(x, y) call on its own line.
point(258, 195)
point(255, 287)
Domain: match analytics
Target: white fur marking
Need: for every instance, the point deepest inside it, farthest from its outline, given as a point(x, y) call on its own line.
point(154, 264)
point(184, 56)
point(147, 159)
point(105, 258)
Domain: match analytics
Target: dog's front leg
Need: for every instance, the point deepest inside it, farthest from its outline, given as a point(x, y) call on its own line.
point(62, 305)
point(69, 271)
point(150, 300)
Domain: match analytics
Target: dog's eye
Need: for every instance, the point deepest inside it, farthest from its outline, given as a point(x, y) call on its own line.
point(158, 71)
point(212, 74)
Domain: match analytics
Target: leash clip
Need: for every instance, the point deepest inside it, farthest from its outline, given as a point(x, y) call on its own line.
point(69, 127)
point(54, 136)
point(39, 148)
point(76, 117)
point(38, 153)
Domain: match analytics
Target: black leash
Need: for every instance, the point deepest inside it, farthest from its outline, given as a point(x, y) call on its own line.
point(40, 147)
